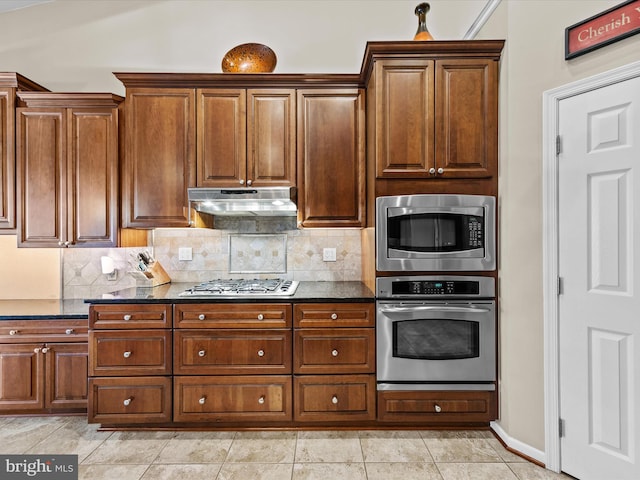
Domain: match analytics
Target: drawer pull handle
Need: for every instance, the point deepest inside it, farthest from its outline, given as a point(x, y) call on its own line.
point(127, 317)
point(202, 400)
point(202, 316)
point(13, 332)
point(438, 408)
point(44, 350)
point(334, 353)
point(127, 402)
point(202, 353)
point(334, 316)
point(334, 400)
point(126, 354)
point(260, 316)
point(69, 331)
point(261, 400)
point(261, 353)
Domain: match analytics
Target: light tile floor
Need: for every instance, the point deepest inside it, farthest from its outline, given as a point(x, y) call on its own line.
point(269, 455)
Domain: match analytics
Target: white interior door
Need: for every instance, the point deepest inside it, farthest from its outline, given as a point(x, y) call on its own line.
point(598, 261)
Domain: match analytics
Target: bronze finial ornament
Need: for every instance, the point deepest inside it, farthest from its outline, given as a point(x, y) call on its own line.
point(423, 32)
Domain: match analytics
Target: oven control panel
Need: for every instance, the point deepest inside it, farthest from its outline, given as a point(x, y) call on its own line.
point(433, 286)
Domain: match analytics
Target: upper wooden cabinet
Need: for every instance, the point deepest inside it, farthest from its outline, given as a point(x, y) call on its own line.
point(10, 83)
point(67, 180)
point(331, 158)
point(433, 109)
point(159, 157)
point(246, 137)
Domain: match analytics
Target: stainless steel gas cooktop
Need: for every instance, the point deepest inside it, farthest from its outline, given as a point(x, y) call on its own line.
point(242, 287)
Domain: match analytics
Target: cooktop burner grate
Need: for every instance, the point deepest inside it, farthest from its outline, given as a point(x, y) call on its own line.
point(239, 287)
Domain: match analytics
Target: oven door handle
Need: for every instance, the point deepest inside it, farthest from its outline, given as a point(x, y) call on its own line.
point(431, 308)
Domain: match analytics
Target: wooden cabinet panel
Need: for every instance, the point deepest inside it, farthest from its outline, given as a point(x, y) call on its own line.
point(130, 352)
point(66, 376)
point(467, 117)
point(220, 352)
point(137, 400)
point(340, 350)
point(334, 398)
point(331, 158)
point(334, 315)
point(7, 161)
point(130, 316)
point(229, 315)
point(437, 407)
point(21, 378)
point(264, 398)
point(159, 159)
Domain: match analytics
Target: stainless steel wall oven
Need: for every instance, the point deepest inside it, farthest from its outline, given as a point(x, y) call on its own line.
point(436, 333)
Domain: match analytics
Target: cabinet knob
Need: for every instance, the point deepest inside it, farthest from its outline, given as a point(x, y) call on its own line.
point(249, 182)
point(61, 243)
point(440, 171)
point(202, 316)
point(202, 400)
point(437, 408)
point(69, 331)
point(241, 181)
point(127, 318)
point(67, 243)
point(334, 400)
point(128, 401)
point(202, 353)
point(13, 332)
point(261, 400)
point(432, 171)
point(334, 316)
point(334, 353)
point(44, 350)
point(260, 316)
point(36, 350)
point(261, 353)
point(126, 354)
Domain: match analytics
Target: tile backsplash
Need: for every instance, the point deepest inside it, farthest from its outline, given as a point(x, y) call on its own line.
point(247, 249)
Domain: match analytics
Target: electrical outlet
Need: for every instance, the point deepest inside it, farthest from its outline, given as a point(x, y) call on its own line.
point(185, 253)
point(328, 254)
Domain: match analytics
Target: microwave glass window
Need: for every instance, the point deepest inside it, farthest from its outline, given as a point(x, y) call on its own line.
point(434, 232)
point(439, 339)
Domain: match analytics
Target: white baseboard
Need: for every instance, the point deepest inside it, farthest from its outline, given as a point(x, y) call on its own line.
point(517, 445)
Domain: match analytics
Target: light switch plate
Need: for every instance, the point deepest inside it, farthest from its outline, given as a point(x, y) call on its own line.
point(185, 253)
point(328, 254)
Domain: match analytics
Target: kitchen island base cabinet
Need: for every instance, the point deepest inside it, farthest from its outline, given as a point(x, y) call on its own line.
point(437, 407)
point(251, 398)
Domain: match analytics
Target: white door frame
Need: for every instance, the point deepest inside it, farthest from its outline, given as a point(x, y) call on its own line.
point(550, 107)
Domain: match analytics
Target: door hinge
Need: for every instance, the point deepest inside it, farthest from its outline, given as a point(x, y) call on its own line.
point(560, 285)
point(561, 427)
point(558, 145)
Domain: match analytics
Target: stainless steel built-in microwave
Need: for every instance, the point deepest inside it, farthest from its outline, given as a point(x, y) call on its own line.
point(435, 233)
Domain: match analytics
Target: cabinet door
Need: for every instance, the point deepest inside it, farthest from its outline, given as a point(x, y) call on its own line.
point(271, 137)
point(159, 159)
point(222, 138)
point(21, 372)
point(92, 177)
point(404, 120)
point(466, 118)
point(331, 161)
point(7, 161)
point(66, 376)
point(41, 170)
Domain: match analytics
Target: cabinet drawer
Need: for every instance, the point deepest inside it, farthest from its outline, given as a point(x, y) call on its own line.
point(130, 352)
point(320, 398)
point(334, 315)
point(220, 352)
point(437, 406)
point(120, 316)
point(229, 315)
point(40, 331)
point(335, 350)
point(129, 400)
point(262, 398)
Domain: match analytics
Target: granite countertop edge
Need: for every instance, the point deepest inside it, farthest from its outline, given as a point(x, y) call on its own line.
point(78, 308)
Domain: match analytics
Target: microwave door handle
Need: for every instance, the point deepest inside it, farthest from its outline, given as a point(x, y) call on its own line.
point(424, 308)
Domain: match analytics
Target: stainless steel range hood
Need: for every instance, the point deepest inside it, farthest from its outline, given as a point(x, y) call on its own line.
point(248, 201)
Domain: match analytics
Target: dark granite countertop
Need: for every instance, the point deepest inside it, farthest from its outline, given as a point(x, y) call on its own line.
point(170, 293)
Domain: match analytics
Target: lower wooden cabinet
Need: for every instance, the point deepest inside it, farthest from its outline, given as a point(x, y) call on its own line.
point(436, 407)
point(334, 398)
point(254, 398)
point(129, 400)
